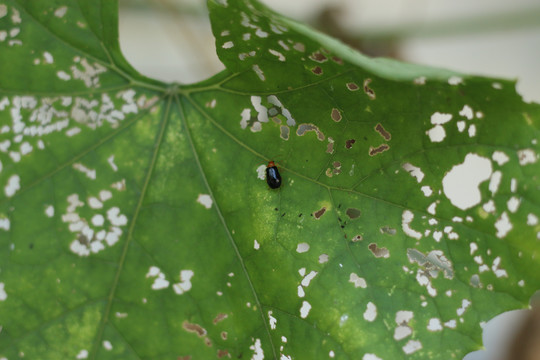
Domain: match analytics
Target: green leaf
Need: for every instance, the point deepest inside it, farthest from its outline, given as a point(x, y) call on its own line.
point(135, 222)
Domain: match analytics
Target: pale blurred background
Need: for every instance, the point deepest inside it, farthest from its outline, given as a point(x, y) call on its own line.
point(171, 40)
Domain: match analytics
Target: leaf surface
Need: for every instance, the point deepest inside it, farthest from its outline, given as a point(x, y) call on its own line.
point(135, 222)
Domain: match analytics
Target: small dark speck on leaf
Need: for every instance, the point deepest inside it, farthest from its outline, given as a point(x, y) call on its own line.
point(276, 209)
point(31, 245)
point(282, 215)
point(83, 239)
point(300, 215)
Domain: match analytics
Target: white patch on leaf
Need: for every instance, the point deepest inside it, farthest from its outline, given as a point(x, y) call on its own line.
point(434, 324)
point(436, 134)
point(500, 157)
point(307, 279)
point(415, 171)
point(527, 156)
point(304, 310)
point(13, 185)
point(258, 353)
point(185, 282)
point(503, 225)
point(272, 320)
point(371, 312)
point(412, 346)
point(3, 294)
point(406, 220)
point(205, 200)
point(460, 184)
point(302, 248)
point(4, 223)
point(357, 281)
point(160, 282)
point(83, 354)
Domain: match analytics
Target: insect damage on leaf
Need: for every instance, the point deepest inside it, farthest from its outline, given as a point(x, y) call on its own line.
point(123, 180)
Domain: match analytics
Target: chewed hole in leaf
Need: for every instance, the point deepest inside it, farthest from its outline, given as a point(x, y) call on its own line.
point(369, 91)
point(461, 183)
point(378, 252)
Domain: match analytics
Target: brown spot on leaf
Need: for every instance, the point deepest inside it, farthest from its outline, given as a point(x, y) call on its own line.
point(220, 317)
point(335, 171)
point(83, 239)
point(357, 238)
point(378, 252)
point(318, 57)
point(330, 147)
point(336, 115)
point(207, 342)
point(194, 328)
point(352, 86)
point(329, 172)
point(369, 92)
point(222, 353)
point(337, 60)
point(353, 213)
point(349, 143)
point(379, 149)
point(385, 134)
point(224, 335)
point(317, 70)
point(317, 214)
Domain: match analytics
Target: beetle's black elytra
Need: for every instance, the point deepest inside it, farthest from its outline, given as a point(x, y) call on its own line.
point(273, 178)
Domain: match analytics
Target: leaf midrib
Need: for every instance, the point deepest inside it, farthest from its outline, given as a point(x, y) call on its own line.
point(226, 228)
point(129, 237)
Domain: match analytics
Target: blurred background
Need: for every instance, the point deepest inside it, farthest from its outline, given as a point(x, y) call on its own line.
point(171, 40)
